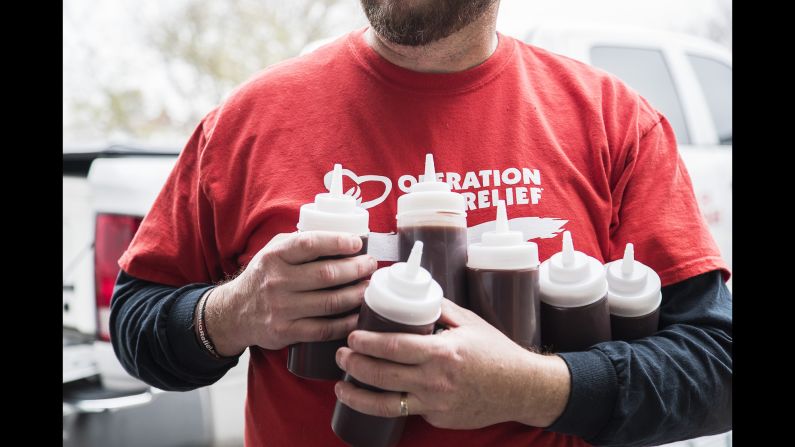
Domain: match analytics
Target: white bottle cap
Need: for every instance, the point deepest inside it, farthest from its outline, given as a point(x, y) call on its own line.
point(404, 292)
point(571, 278)
point(634, 289)
point(430, 195)
point(334, 211)
point(503, 249)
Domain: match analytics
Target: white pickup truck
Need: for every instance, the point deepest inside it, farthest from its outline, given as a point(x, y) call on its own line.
point(107, 192)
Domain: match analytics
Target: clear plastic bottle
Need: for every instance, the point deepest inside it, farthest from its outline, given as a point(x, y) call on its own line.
point(400, 298)
point(574, 310)
point(502, 274)
point(331, 211)
point(432, 213)
point(634, 294)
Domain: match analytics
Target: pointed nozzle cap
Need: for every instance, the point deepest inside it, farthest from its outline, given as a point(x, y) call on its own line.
point(502, 217)
point(633, 287)
point(334, 210)
point(629, 260)
point(571, 278)
point(568, 266)
point(408, 277)
point(429, 181)
point(502, 236)
point(336, 181)
point(405, 292)
point(413, 263)
point(627, 275)
point(335, 201)
point(502, 249)
point(430, 169)
point(567, 253)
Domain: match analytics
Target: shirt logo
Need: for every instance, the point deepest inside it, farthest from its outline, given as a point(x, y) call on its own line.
point(360, 181)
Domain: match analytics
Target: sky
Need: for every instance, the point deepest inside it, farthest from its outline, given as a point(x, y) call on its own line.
point(516, 15)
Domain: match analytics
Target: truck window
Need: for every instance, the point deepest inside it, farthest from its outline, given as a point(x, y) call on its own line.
point(647, 72)
point(716, 82)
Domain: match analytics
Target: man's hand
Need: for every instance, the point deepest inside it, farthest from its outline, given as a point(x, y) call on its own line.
point(467, 377)
point(279, 299)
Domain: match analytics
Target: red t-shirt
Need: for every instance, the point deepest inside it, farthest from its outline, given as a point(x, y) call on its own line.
point(569, 147)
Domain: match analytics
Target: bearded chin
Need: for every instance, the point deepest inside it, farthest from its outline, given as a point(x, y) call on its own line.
point(422, 22)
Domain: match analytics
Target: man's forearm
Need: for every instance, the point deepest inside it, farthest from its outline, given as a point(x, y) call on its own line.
point(544, 388)
point(671, 386)
point(222, 321)
point(153, 335)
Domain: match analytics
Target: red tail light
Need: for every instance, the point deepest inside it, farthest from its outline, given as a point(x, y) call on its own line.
point(113, 234)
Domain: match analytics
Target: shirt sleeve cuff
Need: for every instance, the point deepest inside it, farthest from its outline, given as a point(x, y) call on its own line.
point(181, 333)
point(594, 388)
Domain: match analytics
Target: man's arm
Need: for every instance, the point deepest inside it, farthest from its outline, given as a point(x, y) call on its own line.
point(670, 386)
point(675, 384)
point(152, 332)
point(281, 297)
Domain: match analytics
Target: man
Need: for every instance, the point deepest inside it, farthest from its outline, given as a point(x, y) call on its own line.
point(557, 139)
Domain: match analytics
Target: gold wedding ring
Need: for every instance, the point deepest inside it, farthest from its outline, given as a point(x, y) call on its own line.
point(404, 404)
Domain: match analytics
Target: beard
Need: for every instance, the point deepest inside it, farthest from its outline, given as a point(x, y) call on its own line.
point(420, 22)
